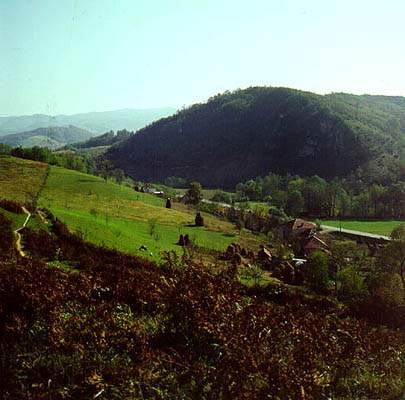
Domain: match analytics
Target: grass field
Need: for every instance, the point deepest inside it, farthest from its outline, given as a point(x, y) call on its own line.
point(118, 217)
point(378, 227)
point(20, 179)
point(109, 214)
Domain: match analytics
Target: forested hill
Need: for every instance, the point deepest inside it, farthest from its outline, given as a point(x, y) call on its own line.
point(247, 133)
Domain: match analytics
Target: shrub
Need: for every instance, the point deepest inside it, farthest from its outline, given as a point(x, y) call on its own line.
point(317, 271)
point(152, 226)
point(6, 238)
point(351, 285)
point(11, 206)
point(222, 197)
point(194, 194)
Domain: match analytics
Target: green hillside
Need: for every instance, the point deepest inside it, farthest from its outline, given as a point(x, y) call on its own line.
point(109, 214)
point(20, 180)
point(117, 216)
point(91, 321)
point(239, 135)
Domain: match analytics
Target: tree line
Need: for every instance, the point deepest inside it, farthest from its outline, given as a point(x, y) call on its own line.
point(357, 196)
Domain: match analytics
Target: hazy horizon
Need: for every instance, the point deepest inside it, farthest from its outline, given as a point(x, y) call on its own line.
point(177, 108)
point(89, 112)
point(71, 57)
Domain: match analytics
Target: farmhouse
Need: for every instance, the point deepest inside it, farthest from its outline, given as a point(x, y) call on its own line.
point(313, 243)
point(298, 228)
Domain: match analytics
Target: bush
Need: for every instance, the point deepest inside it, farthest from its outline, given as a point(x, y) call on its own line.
point(5, 149)
point(222, 197)
point(317, 271)
point(6, 237)
point(351, 285)
point(194, 194)
point(11, 206)
point(122, 325)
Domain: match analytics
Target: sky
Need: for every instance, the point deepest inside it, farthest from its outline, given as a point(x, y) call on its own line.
point(70, 56)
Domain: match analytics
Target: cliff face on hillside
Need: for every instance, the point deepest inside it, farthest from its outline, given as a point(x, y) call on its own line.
point(243, 134)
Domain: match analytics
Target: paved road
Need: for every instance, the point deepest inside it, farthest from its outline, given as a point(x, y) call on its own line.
point(18, 234)
point(327, 228)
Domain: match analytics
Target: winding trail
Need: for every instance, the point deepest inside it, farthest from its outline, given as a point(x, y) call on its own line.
point(18, 234)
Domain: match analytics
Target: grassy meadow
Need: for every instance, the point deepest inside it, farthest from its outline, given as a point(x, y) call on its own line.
point(377, 227)
point(118, 217)
point(20, 179)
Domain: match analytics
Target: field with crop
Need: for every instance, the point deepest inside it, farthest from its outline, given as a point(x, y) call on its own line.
point(377, 227)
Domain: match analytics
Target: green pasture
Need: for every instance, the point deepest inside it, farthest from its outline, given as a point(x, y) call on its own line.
point(377, 227)
point(118, 217)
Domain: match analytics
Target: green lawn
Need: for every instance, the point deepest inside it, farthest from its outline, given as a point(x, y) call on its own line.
point(377, 227)
point(118, 217)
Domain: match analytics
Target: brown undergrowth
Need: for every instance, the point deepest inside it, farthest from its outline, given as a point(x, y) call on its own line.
point(121, 327)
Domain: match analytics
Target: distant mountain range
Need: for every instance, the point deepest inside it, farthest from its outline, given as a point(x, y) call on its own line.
point(51, 137)
point(94, 122)
point(248, 133)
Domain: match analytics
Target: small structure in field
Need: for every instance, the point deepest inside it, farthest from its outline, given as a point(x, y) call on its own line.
point(199, 220)
point(152, 190)
point(184, 240)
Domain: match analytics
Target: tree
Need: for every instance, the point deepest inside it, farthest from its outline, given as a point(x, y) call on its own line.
point(317, 271)
point(352, 286)
point(314, 192)
point(152, 226)
point(119, 175)
point(194, 194)
point(295, 203)
point(104, 168)
point(5, 149)
point(222, 197)
point(253, 190)
point(239, 225)
point(377, 195)
point(252, 275)
point(393, 256)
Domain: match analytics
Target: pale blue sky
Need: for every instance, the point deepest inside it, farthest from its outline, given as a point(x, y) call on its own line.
point(68, 56)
